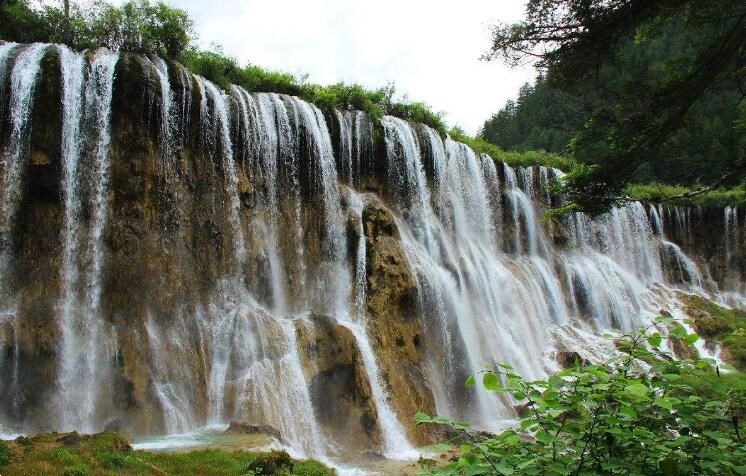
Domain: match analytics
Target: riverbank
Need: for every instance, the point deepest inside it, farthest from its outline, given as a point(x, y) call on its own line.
point(72, 454)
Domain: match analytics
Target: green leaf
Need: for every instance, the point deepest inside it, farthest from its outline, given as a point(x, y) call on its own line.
point(469, 381)
point(440, 448)
point(420, 418)
point(664, 319)
point(679, 331)
point(691, 339)
point(668, 466)
point(504, 469)
point(663, 403)
point(544, 437)
point(637, 389)
point(655, 340)
point(490, 381)
point(628, 411)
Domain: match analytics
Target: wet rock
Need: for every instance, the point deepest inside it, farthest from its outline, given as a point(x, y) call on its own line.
point(338, 383)
point(70, 439)
point(567, 359)
point(522, 410)
point(241, 428)
point(372, 456)
point(392, 324)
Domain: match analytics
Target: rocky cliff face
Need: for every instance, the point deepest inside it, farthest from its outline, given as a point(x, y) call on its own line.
point(711, 236)
point(175, 256)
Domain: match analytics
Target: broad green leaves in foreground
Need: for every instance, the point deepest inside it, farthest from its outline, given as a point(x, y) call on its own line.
point(665, 417)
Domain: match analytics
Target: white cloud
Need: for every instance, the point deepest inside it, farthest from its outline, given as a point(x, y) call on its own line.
point(430, 49)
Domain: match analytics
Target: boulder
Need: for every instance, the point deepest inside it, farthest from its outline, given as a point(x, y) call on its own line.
point(241, 428)
point(338, 383)
point(569, 358)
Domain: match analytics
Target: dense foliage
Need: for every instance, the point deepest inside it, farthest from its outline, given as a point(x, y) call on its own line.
point(224, 70)
point(545, 117)
point(656, 192)
point(639, 90)
point(153, 27)
point(138, 26)
point(542, 118)
point(640, 413)
point(525, 158)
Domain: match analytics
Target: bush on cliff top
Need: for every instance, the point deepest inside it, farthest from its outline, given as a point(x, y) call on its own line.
point(224, 70)
point(513, 158)
point(677, 417)
point(659, 192)
point(138, 25)
point(142, 26)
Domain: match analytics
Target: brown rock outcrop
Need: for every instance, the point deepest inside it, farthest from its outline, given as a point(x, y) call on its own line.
point(395, 331)
point(338, 383)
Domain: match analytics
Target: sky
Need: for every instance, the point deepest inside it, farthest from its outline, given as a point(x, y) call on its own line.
point(430, 49)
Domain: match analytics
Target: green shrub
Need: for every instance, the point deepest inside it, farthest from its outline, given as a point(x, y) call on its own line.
point(514, 159)
point(658, 192)
point(310, 468)
point(62, 457)
point(112, 460)
point(137, 25)
point(5, 456)
point(678, 417)
point(80, 469)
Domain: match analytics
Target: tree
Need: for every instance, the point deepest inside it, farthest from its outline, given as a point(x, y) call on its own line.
point(137, 25)
point(581, 43)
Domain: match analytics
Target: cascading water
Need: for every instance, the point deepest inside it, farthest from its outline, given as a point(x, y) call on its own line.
point(167, 113)
point(394, 439)
point(5, 50)
point(84, 105)
point(23, 79)
point(279, 223)
point(72, 66)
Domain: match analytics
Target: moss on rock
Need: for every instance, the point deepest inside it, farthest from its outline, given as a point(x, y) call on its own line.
point(720, 325)
point(109, 453)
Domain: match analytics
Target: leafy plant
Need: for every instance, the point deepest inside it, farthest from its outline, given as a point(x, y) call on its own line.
point(620, 417)
point(5, 456)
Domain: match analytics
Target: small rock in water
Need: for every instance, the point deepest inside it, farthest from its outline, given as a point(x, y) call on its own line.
point(241, 428)
point(372, 456)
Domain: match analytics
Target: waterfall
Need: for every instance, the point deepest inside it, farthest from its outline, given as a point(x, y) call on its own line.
point(168, 119)
point(23, 79)
point(86, 105)
point(5, 50)
point(72, 65)
point(355, 133)
point(394, 439)
point(732, 239)
point(273, 227)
